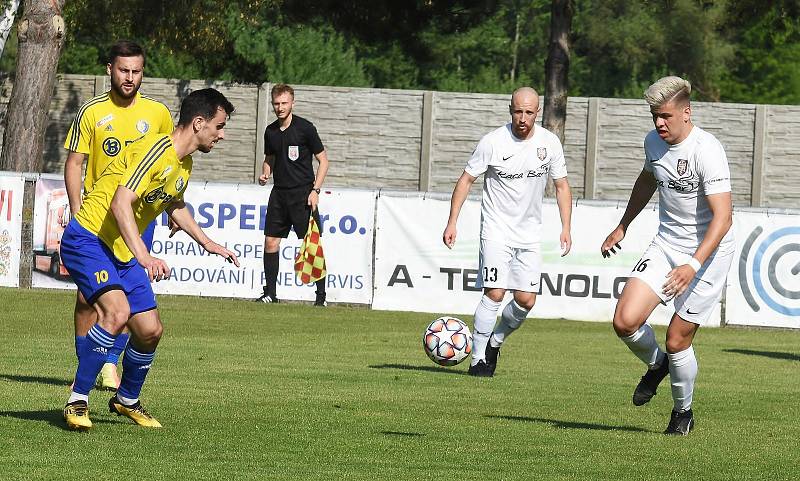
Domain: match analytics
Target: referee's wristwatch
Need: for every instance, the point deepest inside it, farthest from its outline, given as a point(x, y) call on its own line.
point(316, 190)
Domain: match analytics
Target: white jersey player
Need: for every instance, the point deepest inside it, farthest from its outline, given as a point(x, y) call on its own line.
point(516, 161)
point(688, 259)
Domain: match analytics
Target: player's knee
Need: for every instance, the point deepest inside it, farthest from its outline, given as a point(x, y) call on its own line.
point(148, 338)
point(622, 324)
point(677, 344)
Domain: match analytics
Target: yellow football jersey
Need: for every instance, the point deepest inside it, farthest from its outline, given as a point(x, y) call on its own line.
point(151, 168)
point(103, 129)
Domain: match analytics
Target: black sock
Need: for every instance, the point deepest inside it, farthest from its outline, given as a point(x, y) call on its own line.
point(271, 261)
point(321, 287)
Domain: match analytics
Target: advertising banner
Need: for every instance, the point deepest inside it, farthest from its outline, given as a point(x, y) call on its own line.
point(51, 215)
point(764, 283)
point(415, 271)
point(11, 195)
point(233, 215)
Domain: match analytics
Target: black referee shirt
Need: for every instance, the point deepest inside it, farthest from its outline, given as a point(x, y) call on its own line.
point(293, 149)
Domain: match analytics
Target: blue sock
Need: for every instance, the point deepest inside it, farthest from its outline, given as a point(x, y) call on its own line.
point(80, 341)
point(117, 348)
point(135, 366)
point(92, 358)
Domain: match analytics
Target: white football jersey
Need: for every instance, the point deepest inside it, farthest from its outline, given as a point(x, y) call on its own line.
point(513, 188)
point(686, 173)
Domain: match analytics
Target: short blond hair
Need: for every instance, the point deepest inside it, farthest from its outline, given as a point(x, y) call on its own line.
point(668, 89)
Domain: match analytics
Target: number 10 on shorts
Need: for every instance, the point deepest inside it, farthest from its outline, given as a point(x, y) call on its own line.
point(101, 276)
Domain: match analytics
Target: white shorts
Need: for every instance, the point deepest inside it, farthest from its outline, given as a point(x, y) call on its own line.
point(697, 302)
point(505, 267)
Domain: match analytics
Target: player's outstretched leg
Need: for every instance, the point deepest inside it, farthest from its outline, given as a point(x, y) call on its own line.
point(511, 319)
point(485, 319)
point(643, 344)
point(683, 369)
point(135, 366)
point(95, 351)
point(648, 384)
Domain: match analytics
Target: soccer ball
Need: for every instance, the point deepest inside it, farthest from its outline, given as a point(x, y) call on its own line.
point(447, 341)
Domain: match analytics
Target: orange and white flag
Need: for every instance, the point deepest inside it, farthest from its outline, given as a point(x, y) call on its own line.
point(309, 265)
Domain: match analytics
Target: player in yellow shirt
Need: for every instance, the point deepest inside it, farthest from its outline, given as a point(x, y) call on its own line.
point(104, 126)
point(104, 253)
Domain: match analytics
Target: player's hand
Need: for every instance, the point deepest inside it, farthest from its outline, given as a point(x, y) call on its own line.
point(449, 236)
point(313, 200)
point(173, 226)
point(156, 268)
point(217, 249)
point(262, 179)
point(678, 279)
point(566, 242)
point(612, 242)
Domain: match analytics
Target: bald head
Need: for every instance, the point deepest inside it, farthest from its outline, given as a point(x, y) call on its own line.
point(524, 108)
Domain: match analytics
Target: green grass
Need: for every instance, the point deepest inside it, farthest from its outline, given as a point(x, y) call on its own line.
point(247, 391)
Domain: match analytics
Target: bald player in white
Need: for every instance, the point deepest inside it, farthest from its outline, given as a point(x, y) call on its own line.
point(516, 161)
point(689, 258)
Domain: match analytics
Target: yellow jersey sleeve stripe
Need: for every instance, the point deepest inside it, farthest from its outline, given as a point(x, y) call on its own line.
point(76, 129)
point(147, 162)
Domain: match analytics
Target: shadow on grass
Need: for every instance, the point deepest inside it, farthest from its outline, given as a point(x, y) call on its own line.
point(402, 434)
point(51, 417)
point(52, 381)
point(771, 354)
point(569, 424)
point(408, 367)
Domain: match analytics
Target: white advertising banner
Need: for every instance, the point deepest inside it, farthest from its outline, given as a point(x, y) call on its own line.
point(233, 215)
point(50, 216)
point(414, 271)
point(764, 283)
point(12, 191)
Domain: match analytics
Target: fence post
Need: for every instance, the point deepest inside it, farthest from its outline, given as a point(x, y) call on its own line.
point(590, 166)
point(99, 85)
point(759, 139)
point(426, 146)
point(262, 111)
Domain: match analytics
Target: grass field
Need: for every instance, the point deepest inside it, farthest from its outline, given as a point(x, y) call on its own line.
point(250, 391)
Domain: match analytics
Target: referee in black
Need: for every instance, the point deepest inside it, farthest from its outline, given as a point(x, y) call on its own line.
point(289, 144)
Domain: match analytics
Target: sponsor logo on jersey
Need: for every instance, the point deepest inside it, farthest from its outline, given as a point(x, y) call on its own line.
point(683, 165)
point(294, 152)
point(179, 184)
point(541, 152)
point(108, 118)
point(142, 126)
point(506, 157)
point(539, 172)
point(157, 194)
point(111, 146)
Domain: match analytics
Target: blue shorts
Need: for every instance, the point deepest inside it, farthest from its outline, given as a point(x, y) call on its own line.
point(147, 235)
point(96, 270)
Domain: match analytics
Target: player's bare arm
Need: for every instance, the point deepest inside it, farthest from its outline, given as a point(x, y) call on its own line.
point(643, 190)
point(322, 171)
point(266, 169)
point(183, 217)
point(564, 201)
point(72, 179)
point(122, 210)
point(721, 207)
point(460, 193)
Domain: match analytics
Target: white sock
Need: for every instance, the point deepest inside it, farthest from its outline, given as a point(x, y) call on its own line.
point(127, 401)
point(78, 397)
point(485, 318)
point(682, 373)
point(643, 344)
point(512, 317)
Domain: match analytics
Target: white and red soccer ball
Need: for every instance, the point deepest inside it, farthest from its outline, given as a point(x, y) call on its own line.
point(447, 341)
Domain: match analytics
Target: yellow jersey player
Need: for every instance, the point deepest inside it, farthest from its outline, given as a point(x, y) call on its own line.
point(104, 126)
point(104, 253)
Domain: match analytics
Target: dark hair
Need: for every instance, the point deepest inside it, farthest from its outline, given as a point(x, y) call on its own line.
point(205, 103)
point(278, 89)
point(125, 48)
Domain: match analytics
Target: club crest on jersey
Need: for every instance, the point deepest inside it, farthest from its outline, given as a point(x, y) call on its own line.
point(682, 166)
point(142, 126)
point(111, 146)
point(294, 152)
point(157, 194)
point(179, 184)
point(541, 152)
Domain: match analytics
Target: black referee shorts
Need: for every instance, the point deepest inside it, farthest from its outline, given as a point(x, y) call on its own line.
point(288, 209)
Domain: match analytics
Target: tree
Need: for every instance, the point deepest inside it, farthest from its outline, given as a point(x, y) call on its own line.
point(557, 68)
point(41, 35)
point(7, 21)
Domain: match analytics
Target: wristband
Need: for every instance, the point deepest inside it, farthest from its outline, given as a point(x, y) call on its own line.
point(316, 190)
point(695, 264)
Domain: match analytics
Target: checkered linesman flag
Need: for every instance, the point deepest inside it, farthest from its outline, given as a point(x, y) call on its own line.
point(309, 265)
